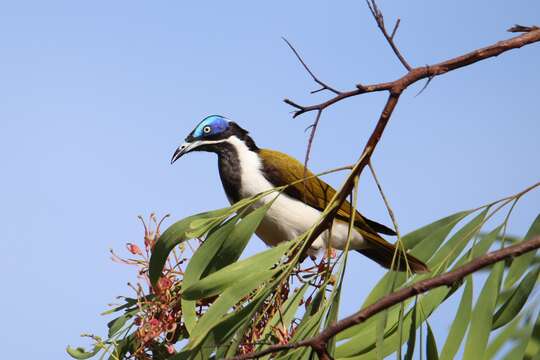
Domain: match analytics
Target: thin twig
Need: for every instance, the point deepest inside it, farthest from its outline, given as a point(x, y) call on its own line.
point(310, 140)
point(379, 19)
point(385, 199)
point(323, 85)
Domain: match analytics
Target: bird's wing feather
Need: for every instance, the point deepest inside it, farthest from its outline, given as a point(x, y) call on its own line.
point(281, 169)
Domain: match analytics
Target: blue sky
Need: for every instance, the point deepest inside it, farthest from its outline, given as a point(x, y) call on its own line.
point(95, 97)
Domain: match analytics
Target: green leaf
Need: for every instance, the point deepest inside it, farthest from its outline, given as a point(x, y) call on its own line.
point(233, 323)
point(332, 317)
point(198, 264)
point(309, 325)
point(513, 305)
point(412, 336)
point(525, 339)
point(235, 244)
point(502, 338)
point(455, 245)
point(129, 302)
point(417, 236)
point(460, 323)
point(382, 318)
point(360, 335)
point(521, 263)
point(117, 324)
point(230, 297)
point(481, 318)
point(284, 317)
point(122, 347)
point(220, 280)
point(532, 350)
point(81, 353)
point(174, 235)
point(431, 345)
point(435, 232)
point(362, 346)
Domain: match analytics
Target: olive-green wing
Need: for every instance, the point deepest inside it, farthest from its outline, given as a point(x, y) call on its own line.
point(281, 169)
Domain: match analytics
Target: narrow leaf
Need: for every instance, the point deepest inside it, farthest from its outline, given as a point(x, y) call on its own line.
point(284, 317)
point(481, 319)
point(455, 245)
point(502, 338)
point(526, 338)
point(360, 335)
point(80, 353)
point(332, 317)
point(431, 345)
point(412, 336)
point(198, 264)
point(521, 264)
point(417, 236)
point(460, 323)
point(117, 324)
point(232, 296)
point(235, 244)
point(220, 280)
point(513, 305)
point(174, 235)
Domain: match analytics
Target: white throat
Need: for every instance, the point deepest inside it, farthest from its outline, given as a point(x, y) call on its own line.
point(252, 179)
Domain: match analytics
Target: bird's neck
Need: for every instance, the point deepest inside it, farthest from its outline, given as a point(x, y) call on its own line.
point(235, 158)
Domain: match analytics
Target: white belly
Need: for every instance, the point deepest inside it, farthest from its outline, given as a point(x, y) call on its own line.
point(287, 218)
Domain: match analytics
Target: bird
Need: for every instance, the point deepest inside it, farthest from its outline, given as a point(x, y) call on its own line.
point(246, 170)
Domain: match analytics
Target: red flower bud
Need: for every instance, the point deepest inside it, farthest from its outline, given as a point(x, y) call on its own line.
point(134, 249)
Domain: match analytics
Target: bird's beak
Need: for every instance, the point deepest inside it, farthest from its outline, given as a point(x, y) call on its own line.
point(183, 149)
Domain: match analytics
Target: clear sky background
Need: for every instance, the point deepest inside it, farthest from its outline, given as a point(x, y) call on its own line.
point(96, 95)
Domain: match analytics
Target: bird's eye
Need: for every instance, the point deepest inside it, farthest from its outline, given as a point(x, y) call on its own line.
point(207, 129)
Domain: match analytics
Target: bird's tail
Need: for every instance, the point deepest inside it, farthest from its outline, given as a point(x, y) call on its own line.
point(382, 252)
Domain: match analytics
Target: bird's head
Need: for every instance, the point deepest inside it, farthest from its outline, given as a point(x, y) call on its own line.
point(213, 134)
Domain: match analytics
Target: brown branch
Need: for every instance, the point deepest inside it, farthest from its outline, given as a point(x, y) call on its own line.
point(318, 343)
point(379, 19)
point(530, 35)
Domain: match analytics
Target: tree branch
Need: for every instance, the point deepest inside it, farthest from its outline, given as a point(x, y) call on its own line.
point(530, 35)
point(318, 343)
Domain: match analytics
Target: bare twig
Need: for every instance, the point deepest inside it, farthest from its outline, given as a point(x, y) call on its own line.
point(310, 140)
point(385, 199)
point(528, 37)
point(379, 19)
point(323, 85)
point(318, 343)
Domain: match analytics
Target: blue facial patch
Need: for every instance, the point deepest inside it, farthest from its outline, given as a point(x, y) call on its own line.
point(215, 123)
